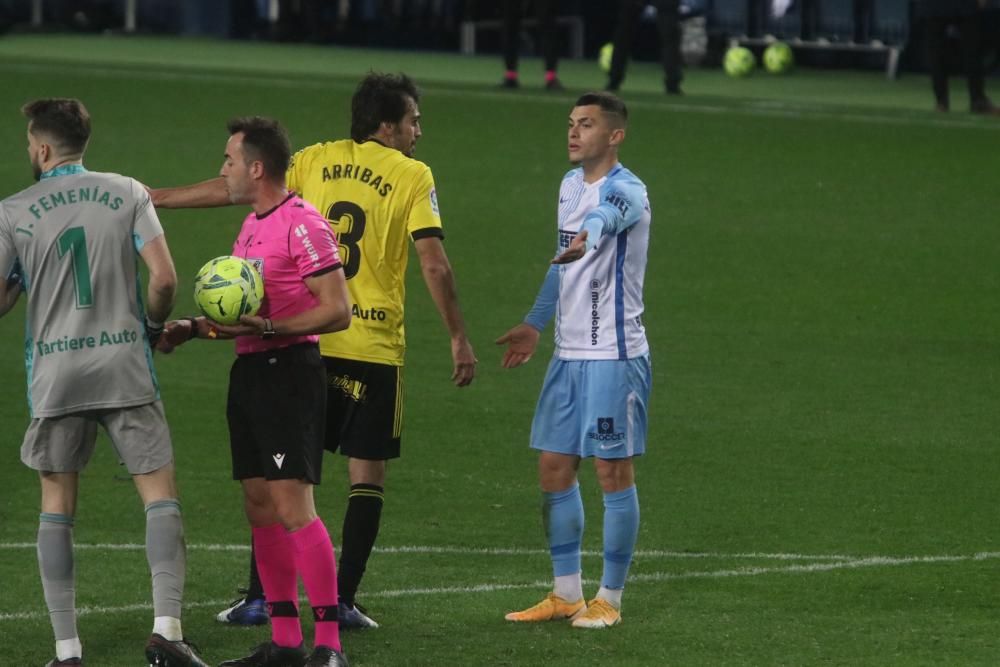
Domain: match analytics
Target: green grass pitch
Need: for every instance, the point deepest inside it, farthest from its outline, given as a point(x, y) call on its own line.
point(822, 300)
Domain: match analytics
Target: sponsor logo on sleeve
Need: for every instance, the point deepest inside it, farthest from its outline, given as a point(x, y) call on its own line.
point(302, 232)
point(619, 201)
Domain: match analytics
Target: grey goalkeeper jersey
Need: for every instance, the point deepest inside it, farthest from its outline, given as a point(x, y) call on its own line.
point(76, 236)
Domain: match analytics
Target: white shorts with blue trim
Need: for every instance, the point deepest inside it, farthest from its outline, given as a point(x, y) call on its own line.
point(593, 408)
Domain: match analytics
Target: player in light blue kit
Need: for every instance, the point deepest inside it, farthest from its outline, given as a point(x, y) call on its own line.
point(593, 400)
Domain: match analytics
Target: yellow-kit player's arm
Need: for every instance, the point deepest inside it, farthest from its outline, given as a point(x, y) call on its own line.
point(441, 283)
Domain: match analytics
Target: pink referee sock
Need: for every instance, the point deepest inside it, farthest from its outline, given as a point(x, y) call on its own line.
point(276, 563)
point(317, 565)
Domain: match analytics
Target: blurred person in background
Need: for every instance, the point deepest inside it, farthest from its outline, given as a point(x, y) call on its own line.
point(545, 11)
point(966, 16)
point(668, 23)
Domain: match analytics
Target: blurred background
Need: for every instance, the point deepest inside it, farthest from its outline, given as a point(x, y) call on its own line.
point(823, 33)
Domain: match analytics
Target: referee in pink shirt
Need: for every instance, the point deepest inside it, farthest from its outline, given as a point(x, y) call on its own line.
point(277, 390)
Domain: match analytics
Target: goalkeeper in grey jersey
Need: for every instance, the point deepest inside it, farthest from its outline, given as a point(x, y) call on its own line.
point(71, 243)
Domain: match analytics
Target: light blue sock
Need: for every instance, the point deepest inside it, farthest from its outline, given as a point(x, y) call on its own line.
point(621, 526)
point(562, 514)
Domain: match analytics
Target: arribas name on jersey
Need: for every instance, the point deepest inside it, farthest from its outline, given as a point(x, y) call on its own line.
point(358, 173)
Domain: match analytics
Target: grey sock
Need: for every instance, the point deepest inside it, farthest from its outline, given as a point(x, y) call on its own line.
point(55, 564)
point(165, 553)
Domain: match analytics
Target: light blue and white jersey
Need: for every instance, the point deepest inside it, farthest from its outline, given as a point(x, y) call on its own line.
point(599, 307)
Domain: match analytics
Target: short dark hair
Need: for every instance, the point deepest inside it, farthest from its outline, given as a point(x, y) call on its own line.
point(63, 119)
point(380, 98)
point(264, 139)
point(610, 104)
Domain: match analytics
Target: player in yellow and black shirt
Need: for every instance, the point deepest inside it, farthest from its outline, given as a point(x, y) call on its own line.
point(377, 198)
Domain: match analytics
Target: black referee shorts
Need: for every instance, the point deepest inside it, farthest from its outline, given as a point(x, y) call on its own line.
point(364, 410)
point(277, 414)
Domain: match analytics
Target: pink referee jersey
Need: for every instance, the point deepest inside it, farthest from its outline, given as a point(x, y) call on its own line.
point(287, 244)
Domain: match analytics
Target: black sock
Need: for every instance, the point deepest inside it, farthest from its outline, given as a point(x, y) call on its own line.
point(255, 590)
point(364, 510)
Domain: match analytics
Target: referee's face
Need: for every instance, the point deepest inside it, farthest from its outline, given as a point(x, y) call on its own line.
point(236, 171)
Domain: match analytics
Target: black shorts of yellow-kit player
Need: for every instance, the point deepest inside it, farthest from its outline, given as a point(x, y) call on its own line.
point(364, 413)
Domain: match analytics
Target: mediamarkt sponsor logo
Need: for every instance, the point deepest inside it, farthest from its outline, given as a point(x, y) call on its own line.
point(595, 316)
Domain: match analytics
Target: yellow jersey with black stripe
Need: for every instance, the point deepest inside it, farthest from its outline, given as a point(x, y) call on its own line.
point(376, 199)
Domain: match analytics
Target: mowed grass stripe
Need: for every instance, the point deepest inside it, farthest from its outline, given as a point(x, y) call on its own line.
point(298, 81)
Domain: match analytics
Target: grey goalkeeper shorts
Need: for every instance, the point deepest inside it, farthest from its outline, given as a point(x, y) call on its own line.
point(65, 443)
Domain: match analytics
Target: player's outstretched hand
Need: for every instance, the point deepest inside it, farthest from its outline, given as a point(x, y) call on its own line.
point(577, 249)
point(521, 342)
point(464, 360)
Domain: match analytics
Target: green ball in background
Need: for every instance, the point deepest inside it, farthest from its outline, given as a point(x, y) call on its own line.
point(778, 58)
point(739, 61)
point(604, 57)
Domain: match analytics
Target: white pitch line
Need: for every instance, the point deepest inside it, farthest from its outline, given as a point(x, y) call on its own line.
point(129, 546)
point(640, 553)
point(474, 551)
point(873, 561)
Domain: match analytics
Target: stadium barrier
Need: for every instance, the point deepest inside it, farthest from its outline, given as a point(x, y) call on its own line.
point(130, 11)
point(861, 26)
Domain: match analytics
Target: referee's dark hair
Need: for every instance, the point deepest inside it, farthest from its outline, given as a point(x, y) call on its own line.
point(266, 141)
point(62, 119)
point(610, 104)
point(380, 98)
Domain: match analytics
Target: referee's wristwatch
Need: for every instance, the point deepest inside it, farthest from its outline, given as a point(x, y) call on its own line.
point(269, 331)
